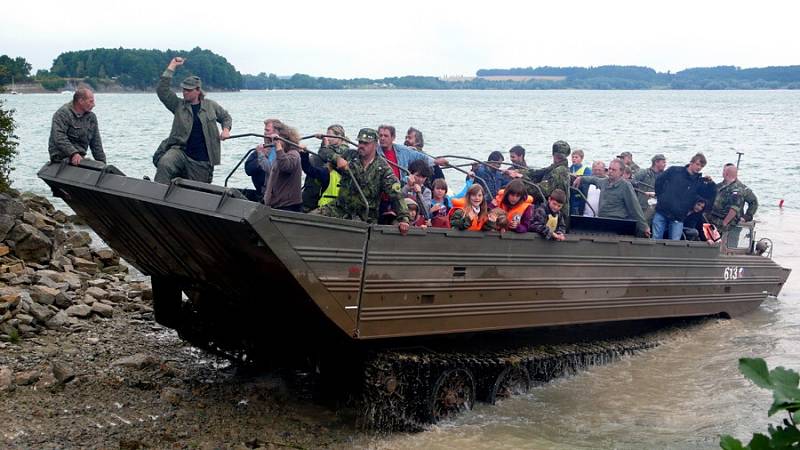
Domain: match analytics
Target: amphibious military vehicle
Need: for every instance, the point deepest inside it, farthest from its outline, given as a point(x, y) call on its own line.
point(413, 312)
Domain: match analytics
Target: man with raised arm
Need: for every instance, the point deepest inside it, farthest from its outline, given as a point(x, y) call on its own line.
point(193, 147)
point(74, 129)
point(374, 177)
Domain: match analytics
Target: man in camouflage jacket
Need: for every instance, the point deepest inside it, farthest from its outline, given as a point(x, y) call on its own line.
point(374, 177)
point(548, 179)
point(729, 202)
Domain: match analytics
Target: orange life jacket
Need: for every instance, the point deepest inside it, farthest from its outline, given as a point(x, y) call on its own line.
point(513, 211)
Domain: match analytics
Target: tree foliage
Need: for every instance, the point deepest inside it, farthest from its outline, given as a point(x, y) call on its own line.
point(8, 146)
point(18, 68)
point(140, 69)
point(785, 397)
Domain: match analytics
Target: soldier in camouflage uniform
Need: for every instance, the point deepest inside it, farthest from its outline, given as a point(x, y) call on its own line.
point(627, 158)
point(373, 175)
point(751, 201)
point(555, 176)
point(729, 201)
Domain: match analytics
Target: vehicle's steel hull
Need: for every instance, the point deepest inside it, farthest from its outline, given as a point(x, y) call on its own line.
point(370, 282)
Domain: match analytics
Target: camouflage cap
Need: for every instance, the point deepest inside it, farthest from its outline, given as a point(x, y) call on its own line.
point(658, 157)
point(367, 135)
point(625, 155)
point(191, 82)
point(561, 147)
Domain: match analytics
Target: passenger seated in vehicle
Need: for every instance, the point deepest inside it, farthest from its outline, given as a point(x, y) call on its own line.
point(500, 219)
point(548, 220)
point(693, 223)
point(419, 172)
point(517, 204)
point(440, 204)
point(474, 215)
point(492, 174)
point(415, 218)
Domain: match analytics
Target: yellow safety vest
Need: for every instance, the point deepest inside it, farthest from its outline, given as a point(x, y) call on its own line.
point(332, 191)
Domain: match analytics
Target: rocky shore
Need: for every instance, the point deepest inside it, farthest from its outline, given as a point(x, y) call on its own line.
point(83, 364)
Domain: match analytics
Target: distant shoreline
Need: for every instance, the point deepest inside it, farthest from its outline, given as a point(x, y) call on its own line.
point(36, 88)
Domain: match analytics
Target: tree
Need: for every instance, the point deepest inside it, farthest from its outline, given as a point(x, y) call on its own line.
point(786, 397)
point(8, 146)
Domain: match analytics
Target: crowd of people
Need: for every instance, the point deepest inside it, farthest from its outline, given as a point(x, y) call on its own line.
point(383, 182)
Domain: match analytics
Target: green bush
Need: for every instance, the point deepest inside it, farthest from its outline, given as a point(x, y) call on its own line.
point(52, 84)
point(8, 146)
point(786, 397)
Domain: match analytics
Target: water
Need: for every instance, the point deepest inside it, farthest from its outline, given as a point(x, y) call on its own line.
point(683, 394)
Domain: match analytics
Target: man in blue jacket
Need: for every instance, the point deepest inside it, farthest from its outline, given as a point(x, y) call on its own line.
point(676, 190)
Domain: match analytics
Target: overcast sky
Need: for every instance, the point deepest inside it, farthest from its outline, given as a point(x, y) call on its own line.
point(346, 39)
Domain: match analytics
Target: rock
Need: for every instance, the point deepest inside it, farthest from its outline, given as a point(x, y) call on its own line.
point(6, 224)
point(26, 378)
point(79, 311)
point(63, 300)
point(82, 252)
point(108, 256)
point(37, 203)
point(173, 396)
point(44, 295)
point(59, 216)
point(4, 250)
point(20, 279)
point(25, 319)
point(58, 321)
point(41, 312)
point(147, 294)
point(85, 265)
point(93, 340)
point(26, 330)
point(72, 279)
point(10, 206)
point(102, 309)
point(62, 373)
point(51, 283)
point(137, 361)
point(30, 243)
point(78, 239)
point(6, 379)
point(99, 283)
point(97, 293)
point(88, 300)
point(7, 277)
point(10, 298)
point(117, 297)
point(112, 270)
point(15, 268)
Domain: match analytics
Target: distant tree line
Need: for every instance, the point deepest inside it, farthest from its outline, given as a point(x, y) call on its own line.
point(636, 77)
point(140, 69)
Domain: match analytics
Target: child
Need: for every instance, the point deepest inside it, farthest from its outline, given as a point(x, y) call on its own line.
point(547, 219)
point(414, 218)
point(474, 215)
point(517, 204)
point(693, 223)
point(500, 219)
point(440, 204)
point(415, 189)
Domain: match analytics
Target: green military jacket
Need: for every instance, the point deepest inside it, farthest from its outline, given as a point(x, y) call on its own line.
point(210, 114)
point(618, 200)
point(751, 201)
point(555, 176)
point(374, 180)
point(71, 133)
point(730, 196)
point(634, 168)
point(645, 180)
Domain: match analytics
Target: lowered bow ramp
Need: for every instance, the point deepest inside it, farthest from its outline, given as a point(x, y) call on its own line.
point(223, 251)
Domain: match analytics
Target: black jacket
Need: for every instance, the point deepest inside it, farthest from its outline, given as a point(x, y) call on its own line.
point(677, 190)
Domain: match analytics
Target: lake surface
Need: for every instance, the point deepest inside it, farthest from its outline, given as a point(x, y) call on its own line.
point(683, 394)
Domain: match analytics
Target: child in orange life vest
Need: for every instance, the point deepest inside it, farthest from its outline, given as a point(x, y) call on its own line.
point(474, 215)
point(547, 218)
point(517, 204)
